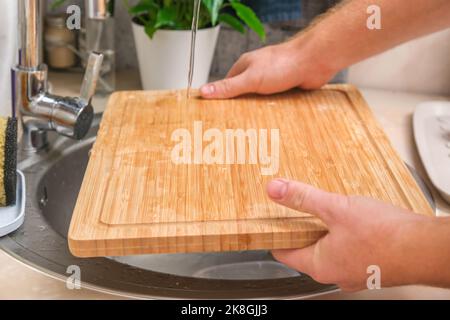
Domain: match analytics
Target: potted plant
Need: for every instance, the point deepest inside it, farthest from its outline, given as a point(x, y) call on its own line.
point(162, 33)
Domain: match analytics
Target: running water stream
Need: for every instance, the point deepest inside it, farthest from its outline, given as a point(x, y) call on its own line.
point(195, 18)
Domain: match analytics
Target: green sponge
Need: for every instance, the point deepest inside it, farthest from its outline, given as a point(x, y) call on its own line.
point(8, 161)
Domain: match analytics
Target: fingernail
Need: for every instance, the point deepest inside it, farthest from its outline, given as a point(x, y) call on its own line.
point(208, 90)
point(277, 189)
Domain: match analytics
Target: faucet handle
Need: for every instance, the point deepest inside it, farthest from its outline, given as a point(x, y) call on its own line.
point(91, 77)
point(73, 117)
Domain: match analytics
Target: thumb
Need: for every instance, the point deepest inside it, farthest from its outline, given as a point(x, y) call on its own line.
point(305, 198)
point(298, 259)
point(227, 88)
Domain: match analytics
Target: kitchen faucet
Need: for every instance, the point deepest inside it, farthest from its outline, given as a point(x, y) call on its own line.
point(41, 111)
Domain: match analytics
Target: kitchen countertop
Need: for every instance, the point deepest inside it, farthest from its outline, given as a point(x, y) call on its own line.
point(393, 110)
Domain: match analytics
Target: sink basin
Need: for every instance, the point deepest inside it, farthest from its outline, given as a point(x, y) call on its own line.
point(53, 179)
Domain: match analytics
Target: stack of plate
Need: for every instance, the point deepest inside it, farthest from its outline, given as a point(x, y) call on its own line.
point(432, 134)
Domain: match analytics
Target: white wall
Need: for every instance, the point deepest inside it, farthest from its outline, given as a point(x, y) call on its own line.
point(422, 65)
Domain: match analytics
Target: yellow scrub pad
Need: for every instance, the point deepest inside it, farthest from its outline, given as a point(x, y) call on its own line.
point(8, 161)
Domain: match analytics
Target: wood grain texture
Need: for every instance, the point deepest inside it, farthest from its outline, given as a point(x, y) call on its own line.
point(135, 200)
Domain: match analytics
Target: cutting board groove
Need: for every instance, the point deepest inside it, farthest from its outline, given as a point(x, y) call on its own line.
point(134, 199)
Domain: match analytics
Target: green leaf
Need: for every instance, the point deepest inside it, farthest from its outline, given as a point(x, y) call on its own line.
point(139, 8)
point(150, 30)
point(249, 17)
point(177, 15)
point(166, 17)
point(232, 22)
point(56, 4)
point(214, 7)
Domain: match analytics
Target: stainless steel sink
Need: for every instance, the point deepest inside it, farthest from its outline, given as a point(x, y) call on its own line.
point(53, 179)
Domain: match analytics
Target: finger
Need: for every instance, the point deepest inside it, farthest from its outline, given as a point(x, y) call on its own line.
point(227, 88)
point(306, 198)
point(299, 259)
point(239, 67)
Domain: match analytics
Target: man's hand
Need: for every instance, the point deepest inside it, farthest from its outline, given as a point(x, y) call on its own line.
point(362, 232)
point(270, 70)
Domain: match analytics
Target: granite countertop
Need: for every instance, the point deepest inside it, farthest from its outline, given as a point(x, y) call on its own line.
point(392, 109)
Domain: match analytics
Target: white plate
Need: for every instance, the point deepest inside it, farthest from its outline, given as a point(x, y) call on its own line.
point(432, 134)
point(12, 217)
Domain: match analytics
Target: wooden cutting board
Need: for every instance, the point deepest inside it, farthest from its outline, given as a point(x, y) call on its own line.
point(138, 198)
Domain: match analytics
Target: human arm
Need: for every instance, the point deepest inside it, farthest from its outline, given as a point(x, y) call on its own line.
point(335, 41)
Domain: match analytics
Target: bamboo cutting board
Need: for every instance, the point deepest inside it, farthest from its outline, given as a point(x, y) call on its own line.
point(138, 198)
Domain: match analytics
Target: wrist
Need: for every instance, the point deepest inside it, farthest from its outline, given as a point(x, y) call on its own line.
point(436, 252)
point(424, 252)
point(311, 53)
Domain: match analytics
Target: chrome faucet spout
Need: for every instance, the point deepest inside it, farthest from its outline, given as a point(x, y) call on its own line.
point(30, 35)
point(99, 9)
point(41, 111)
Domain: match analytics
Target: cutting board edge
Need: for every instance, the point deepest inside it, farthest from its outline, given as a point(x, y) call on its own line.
point(195, 244)
point(341, 87)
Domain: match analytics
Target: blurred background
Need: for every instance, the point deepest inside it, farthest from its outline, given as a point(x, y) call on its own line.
point(290, 19)
point(420, 66)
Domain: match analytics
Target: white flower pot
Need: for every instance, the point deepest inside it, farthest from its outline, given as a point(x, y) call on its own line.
point(164, 60)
